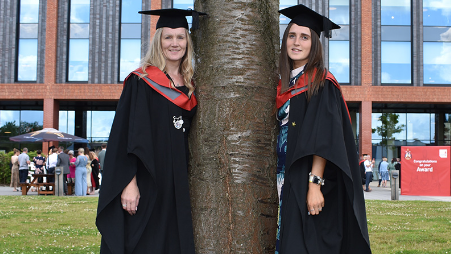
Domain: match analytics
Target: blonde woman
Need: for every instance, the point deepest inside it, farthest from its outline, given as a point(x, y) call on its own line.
point(15, 170)
point(144, 203)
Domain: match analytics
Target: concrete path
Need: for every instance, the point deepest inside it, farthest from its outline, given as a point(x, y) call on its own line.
point(8, 191)
point(378, 193)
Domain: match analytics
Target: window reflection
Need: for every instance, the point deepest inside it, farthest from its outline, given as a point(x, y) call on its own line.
point(78, 59)
point(436, 13)
point(99, 125)
point(27, 63)
point(130, 54)
point(339, 60)
point(395, 33)
point(396, 62)
point(395, 12)
point(79, 11)
point(437, 64)
point(29, 11)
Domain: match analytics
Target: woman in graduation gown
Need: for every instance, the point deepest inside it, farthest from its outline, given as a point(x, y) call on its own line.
point(144, 205)
point(321, 204)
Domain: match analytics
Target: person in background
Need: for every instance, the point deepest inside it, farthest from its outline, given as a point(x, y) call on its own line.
point(81, 186)
point(24, 161)
point(71, 175)
point(368, 172)
point(15, 170)
point(101, 157)
point(39, 162)
point(88, 172)
point(95, 171)
point(64, 161)
point(384, 171)
point(52, 160)
point(398, 167)
point(362, 170)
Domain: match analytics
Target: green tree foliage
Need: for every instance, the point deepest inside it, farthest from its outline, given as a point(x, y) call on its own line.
point(389, 127)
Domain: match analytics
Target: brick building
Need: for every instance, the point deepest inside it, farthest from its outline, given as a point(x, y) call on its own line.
point(63, 62)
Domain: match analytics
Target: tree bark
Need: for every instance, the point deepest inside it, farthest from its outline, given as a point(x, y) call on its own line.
point(233, 160)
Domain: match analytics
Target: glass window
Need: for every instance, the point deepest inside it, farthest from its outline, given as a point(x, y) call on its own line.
point(16, 122)
point(129, 11)
point(27, 64)
point(130, 57)
point(395, 33)
point(79, 31)
point(29, 11)
point(396, 62)
point(437, 33)
point(341, 34)
point(436, 13)
point(78, 59)
point(395, 12)
point(79, 11)
point(419, 127)
point(130, 54)
point(79, 40)
point(339, 60)
point(339, 11)
point(131, 31)
point(437, 63)
point(99, 125)
point(67, 122)
point(28, 31)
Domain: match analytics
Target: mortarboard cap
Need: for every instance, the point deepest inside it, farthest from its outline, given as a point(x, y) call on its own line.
point(175, 18)
point(301, 15)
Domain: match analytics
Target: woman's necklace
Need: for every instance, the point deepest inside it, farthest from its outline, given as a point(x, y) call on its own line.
point(169, 77)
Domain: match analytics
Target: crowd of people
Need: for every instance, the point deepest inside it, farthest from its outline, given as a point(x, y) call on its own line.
point(84, 170)
point(383, 170)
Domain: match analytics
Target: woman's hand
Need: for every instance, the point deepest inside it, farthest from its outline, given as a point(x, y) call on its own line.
point(315, 199)
point(130, 197)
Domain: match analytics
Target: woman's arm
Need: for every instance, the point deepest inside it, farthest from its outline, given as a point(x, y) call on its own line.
point(130, 197)
point(315, 198)
point(77, 161)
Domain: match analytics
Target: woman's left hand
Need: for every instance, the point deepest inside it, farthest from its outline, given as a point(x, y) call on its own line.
point(315, 199)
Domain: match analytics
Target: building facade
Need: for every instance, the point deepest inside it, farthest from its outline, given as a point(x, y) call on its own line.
point(63, 62)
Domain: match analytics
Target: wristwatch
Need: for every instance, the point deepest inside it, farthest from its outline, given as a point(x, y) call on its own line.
point(315, 179)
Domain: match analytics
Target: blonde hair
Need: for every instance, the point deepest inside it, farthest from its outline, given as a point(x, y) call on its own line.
point(81, 150)
point(155, 57)
point(92, 155)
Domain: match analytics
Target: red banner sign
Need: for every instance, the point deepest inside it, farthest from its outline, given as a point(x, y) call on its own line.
point(425, 171)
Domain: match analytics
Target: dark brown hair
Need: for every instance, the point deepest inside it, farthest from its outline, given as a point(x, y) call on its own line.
point(315, 62)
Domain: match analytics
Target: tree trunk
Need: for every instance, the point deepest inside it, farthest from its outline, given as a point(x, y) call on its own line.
point(233, 164)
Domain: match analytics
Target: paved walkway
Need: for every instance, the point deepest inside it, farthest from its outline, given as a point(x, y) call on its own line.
point(8, 191)
point(378, 193)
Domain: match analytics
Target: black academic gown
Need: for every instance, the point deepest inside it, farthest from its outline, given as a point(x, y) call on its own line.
point(145, 142)
point(322, 127)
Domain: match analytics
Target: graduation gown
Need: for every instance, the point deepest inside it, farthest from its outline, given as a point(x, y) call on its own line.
point(321, 127)
point(148, 140)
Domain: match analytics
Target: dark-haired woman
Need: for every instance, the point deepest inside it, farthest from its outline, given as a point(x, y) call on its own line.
point(321, 203)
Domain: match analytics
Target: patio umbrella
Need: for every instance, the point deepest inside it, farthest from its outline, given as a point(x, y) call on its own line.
point(47, 135)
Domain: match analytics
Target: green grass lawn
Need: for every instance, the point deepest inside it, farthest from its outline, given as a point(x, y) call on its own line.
point(39, 224)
